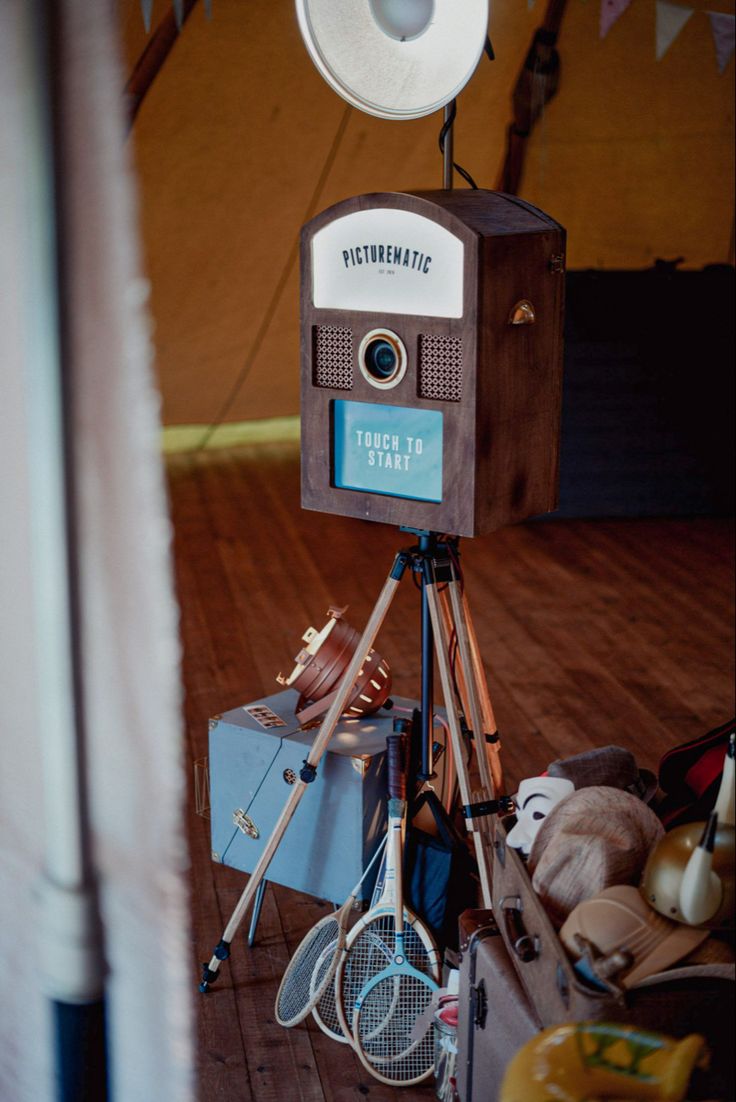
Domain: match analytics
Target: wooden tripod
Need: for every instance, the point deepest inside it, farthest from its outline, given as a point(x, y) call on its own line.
point(436, 561)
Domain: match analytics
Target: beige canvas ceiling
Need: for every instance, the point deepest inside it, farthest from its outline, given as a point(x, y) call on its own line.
point(239, 141)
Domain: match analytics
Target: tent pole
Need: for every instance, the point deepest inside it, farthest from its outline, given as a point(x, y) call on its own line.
point(70, 951)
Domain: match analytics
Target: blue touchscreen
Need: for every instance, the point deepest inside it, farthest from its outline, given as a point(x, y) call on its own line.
point(390, 450)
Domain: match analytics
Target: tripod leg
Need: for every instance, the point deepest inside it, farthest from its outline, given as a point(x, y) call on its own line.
point(256, 913)
point(222, 949)
point(486, 820)
point(442, 649)
point(470, 666)
point(491, 778)
point(427, 708)
point(489, 720)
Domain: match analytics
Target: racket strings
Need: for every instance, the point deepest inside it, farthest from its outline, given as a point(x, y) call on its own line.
point(371, 952)
point(383, 1029)
point(323, 966)
point(326, 1016)
point(299, 991)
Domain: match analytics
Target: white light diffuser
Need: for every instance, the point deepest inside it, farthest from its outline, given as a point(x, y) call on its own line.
point(396, 59)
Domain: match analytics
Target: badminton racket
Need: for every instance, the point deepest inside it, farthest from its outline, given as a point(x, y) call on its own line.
point(312, 967)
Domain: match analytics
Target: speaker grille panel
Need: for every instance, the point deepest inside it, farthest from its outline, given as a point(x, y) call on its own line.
point(440, 367)
point(333, 357)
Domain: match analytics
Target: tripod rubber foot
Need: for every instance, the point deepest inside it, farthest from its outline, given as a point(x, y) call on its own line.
point(208, 977)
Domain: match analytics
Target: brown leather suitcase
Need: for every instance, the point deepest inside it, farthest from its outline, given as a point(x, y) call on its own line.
point(495, 1016)
point(682, 1000)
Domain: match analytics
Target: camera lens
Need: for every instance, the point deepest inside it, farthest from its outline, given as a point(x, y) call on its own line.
point(380, 359)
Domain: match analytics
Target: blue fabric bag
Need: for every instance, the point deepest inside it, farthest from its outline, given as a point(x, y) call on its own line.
point(440, 875)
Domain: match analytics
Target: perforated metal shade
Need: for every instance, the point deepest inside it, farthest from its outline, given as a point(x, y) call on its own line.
point(396, 59)
point(320, 667)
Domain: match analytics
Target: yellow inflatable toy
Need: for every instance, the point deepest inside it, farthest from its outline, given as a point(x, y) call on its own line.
point(587, 1061)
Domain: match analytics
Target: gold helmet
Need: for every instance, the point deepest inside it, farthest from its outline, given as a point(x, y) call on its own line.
point(689, 876)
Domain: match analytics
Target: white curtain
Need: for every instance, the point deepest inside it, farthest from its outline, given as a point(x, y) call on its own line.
point(131, 685)
point(25, 1036)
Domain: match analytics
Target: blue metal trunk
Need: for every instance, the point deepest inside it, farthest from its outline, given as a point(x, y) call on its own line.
point(256, 751)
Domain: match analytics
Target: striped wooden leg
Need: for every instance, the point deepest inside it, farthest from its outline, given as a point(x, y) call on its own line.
point(442, 645)
point(490, 727)
point(487, 791)
point(482, 719)
point(222, 949)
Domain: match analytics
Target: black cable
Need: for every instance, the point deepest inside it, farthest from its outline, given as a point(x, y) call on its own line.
point(292, 261)
point(453, 664)
point(491, 55)
point(446, 125)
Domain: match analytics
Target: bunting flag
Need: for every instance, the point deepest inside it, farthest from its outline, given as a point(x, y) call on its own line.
point(611, 10)
point(722, 28)
point(671, 18)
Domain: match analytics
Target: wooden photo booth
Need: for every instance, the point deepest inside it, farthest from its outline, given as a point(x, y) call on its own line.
point(431, 352)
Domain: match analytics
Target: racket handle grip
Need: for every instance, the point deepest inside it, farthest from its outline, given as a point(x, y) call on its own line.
point(396, 774)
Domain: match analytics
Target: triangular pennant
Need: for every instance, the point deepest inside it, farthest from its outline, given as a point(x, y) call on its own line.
point(671, 18)
point(179, 12)
point(208, 8)
point(611, 10)
point(722, 27)
point(147, 10)
point(529, 4)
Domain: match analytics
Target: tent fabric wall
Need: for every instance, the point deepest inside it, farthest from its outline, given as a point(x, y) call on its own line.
point(25, 1026)
point(130, 649)
point(239, 139)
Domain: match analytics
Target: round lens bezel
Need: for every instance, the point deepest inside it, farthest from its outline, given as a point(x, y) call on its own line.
point(399, 349)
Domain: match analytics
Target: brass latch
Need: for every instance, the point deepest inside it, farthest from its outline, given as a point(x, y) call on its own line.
point(245, 823)
point(523, 313)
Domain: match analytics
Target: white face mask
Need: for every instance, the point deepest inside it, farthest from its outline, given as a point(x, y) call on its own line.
point(534, 801)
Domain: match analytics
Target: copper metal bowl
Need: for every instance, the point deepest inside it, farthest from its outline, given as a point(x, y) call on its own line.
point(321, 665)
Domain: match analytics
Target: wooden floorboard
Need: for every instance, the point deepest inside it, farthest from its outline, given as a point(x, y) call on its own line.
point(592, 632)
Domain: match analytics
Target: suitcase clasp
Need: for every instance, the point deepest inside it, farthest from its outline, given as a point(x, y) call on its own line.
point(479, 1004)
point(245, 823)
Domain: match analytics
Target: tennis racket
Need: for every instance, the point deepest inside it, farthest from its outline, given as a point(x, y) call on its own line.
point(390, 1003)
point(389, 943)
point(325, 1013)
point(311, 969)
